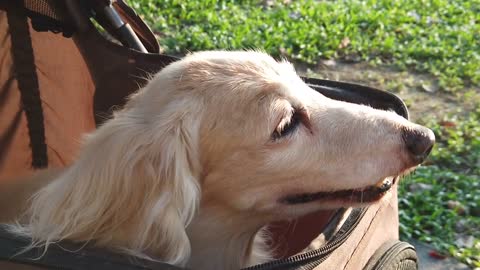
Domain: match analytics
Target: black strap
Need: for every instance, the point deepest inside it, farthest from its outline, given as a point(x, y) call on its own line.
point(26, 75)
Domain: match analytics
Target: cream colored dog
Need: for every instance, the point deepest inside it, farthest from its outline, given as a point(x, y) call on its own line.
point(216, 146)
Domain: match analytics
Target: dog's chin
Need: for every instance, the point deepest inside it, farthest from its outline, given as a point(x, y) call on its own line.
point(344, 197)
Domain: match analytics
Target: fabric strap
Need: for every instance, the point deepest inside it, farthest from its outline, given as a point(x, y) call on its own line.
point(26, 75)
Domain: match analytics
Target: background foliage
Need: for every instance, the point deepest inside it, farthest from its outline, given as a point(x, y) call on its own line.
point(435, 36)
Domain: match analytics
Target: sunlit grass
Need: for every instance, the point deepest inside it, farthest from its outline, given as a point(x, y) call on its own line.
point(439, 37)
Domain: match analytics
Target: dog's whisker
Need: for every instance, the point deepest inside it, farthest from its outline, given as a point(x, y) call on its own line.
point(352, 196)
point(294, 224)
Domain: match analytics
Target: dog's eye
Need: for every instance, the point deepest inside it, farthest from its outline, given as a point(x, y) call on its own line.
point(287, 128)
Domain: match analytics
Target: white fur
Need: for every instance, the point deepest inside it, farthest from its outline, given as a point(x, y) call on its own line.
point(187, 172)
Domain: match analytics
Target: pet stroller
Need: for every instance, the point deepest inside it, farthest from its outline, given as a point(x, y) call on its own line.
point(61, 78)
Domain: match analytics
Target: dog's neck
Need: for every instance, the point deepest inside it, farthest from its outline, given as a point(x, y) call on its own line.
point(222, 242)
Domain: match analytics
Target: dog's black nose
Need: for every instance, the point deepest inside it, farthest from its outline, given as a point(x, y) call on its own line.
point(419, 142)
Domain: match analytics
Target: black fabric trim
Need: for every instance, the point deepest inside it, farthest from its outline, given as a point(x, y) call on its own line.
point(26, 75)
point(71, 256)
point(42, 23)
point(49, 15)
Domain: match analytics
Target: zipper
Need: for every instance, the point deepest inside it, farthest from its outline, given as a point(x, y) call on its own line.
point(311, 259)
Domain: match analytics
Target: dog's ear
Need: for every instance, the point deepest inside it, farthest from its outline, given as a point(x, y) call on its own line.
point(134, 186)
point(174, 162)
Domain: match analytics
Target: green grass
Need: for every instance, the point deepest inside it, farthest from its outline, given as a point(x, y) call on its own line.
point(436, 37)
point(453, 174)
point(439, 37)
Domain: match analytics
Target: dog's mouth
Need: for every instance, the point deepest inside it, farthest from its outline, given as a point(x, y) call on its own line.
point(360, 195)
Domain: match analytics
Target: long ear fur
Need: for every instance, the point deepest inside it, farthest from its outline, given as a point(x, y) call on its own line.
point(134, 187)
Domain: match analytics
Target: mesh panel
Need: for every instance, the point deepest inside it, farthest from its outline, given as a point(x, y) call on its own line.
point(50, 8)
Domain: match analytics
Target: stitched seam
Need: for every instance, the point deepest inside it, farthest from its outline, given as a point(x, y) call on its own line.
point(361, 239)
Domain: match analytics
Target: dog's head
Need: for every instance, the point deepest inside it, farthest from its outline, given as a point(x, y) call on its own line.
point(231, 132)
point(267, 143)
